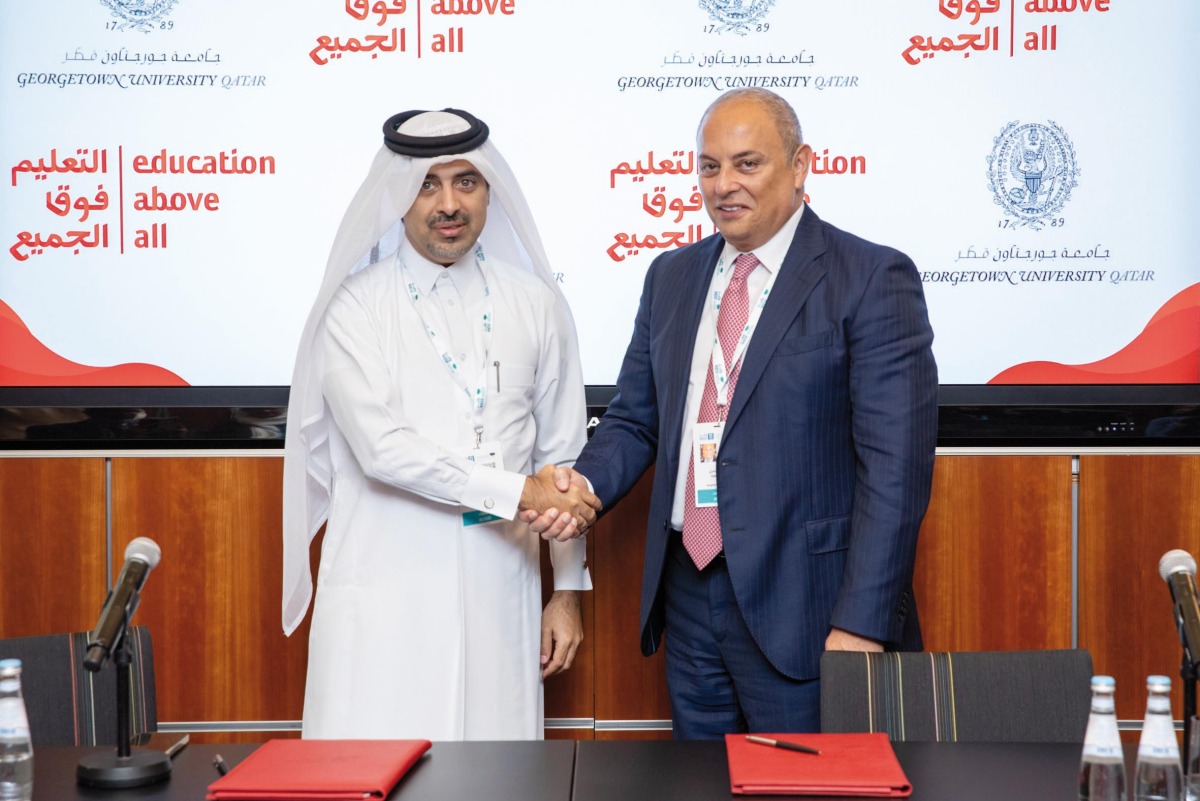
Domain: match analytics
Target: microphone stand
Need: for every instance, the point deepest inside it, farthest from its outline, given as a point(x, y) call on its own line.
point(126, 768)
point(1189, 673)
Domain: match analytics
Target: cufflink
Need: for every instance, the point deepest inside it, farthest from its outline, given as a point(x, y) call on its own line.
point(488, 503)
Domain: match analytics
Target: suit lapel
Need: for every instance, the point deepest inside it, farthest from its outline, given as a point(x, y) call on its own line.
point(692, 278)
point(798, 275)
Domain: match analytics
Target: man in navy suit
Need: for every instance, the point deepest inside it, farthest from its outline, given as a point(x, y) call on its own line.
point(804, 354)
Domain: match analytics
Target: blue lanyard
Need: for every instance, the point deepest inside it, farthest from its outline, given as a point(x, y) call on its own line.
point(477, 394)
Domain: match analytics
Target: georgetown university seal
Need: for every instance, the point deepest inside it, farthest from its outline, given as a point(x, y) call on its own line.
point(138, 15)
point(1032, 171)
point(736, 15)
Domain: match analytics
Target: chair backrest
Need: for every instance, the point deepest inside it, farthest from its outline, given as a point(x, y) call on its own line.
point(984, 696)
point(68, 705)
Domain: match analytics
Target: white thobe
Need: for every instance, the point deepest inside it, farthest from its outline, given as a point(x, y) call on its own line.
point(424, 627)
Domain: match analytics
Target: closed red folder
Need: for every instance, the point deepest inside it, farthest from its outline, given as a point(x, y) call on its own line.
point(324, 770)
point(849, 764)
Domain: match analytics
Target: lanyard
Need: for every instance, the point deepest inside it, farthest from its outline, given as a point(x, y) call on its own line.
point(477, 394)
point(719, 371)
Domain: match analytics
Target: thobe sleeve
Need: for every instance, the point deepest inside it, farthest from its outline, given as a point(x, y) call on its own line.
point(360, 391)
point(560, 413)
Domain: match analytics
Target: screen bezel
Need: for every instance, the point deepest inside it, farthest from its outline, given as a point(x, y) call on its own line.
point(232, 417)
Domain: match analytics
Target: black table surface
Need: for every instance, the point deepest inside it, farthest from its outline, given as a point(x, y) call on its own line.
point(698, 771)
point(560, 770)
point(501, 771)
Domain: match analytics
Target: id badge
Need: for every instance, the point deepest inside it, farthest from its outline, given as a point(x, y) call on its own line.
point(706, 442)
point(488, 454)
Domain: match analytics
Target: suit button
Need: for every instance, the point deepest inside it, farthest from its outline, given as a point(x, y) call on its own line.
point(488, 503)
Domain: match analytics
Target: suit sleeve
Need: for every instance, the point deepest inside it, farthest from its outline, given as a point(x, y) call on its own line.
point(893, 392)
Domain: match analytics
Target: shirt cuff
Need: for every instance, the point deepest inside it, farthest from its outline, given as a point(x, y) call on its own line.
point(570, 564)
point(497, 492)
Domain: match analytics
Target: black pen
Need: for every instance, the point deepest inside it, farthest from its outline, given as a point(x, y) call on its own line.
point(781, 744)
point(220, 765)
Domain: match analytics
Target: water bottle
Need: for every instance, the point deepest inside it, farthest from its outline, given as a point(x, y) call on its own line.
point(1102, 767)
point(1159, 774)
point(16, 749)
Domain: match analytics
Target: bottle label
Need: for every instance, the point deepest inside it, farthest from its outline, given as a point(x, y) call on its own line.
point(1102, 740)
point(13, 722)
point(1101, 751)
point(1156, 750)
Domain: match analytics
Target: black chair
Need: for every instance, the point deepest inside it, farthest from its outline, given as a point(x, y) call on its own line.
point(68, 705)
point(984, 696)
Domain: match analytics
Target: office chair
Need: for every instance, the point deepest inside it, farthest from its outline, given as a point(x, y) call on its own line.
point(68, 705)
point(984, 696)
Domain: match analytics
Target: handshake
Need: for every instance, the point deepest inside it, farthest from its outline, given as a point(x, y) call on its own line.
point(557, 503)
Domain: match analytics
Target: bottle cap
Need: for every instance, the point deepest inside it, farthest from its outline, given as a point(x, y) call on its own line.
point(10, 667)
point(1103, 683)
point(1158, 683)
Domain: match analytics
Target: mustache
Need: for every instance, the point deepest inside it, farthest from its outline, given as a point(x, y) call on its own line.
point(458, 218)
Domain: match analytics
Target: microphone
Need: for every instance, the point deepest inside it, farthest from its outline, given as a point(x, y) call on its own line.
point(141, 557)
point(1178, 569)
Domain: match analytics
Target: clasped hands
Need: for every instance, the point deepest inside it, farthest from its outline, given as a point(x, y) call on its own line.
point(557, 503)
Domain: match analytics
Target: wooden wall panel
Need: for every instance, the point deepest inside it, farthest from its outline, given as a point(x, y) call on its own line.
point(1132, 510)
point(52, 545)
point(570, 694)
point(993, 572)
point(628, 685)
point(994, 558)
point(629, 734)
point(213, 604)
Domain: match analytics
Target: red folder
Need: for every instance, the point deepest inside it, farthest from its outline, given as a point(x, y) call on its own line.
point(849, 764)
point(328, 770)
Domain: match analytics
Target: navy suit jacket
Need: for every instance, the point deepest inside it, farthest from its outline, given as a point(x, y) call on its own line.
point(827, 456)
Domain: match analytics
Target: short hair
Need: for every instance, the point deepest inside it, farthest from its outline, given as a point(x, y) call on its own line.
point(781, 112)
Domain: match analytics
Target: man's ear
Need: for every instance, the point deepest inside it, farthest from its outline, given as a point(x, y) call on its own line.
point(801, 164)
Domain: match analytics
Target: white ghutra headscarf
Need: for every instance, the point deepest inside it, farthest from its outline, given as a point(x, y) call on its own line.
point(413, 143)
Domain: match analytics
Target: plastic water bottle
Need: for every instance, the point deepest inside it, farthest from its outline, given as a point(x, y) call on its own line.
point(1159, 774)
point(1102, 767)
point(16, 749)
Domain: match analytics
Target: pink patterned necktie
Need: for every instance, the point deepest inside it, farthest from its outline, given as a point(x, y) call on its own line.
point(702, 525)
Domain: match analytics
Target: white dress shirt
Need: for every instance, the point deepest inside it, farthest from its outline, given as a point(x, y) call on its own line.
point(770, 260)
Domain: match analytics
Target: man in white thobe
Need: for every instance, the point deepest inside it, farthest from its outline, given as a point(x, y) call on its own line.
point(430, 382)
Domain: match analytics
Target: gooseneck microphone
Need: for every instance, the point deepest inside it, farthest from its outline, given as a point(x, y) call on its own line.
point(1178, 569)
point(141, 556)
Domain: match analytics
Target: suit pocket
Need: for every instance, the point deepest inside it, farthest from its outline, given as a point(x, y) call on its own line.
point(830, 534)
point(791, 345)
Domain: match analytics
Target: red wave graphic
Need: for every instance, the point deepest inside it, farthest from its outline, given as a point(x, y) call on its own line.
point(26, 362)
point(1167, 351)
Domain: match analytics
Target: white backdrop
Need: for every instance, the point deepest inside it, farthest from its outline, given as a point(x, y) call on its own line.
point(595, 106)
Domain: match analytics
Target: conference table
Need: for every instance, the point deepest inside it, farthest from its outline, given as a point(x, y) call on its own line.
point(562, 770)
point(697, 771)
point(529, 771)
